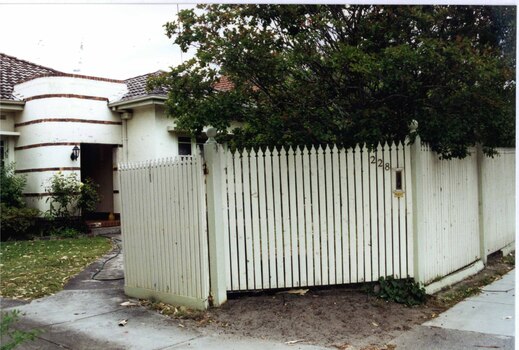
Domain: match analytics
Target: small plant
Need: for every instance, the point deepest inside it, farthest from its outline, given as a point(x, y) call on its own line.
point(509, 259)
point(14, 337)
point(404, 291)
point(70, 197)
point(66, 232)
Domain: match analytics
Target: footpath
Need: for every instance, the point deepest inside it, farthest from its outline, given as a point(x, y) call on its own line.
point(484, 321)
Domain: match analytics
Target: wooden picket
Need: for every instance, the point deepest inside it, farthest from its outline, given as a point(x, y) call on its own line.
point(318, 216)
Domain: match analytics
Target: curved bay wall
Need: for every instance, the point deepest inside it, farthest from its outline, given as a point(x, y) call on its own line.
point(59, 113)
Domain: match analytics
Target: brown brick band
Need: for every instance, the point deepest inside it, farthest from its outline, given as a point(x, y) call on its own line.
point(36, 194)
point(50, 144)
point(46, 145)
point(68, 120)
point(83, 97)
point(37, 170)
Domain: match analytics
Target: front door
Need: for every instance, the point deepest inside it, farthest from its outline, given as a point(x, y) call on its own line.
point(97, 164)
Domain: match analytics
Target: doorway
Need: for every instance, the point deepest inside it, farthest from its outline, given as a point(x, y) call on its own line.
point(97, 164)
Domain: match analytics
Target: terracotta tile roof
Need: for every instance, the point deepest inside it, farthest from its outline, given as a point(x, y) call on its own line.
point(137, 86)
point(14, 71)
point(224, 84)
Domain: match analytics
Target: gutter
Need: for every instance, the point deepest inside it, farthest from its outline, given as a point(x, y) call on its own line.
point(10, 105)
point(120, 106)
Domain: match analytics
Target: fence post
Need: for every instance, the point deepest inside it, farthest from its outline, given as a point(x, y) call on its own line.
point(418, 210)
point(215, 225)
point(482, 238)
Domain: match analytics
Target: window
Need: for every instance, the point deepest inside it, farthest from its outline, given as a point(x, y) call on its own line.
point(185, 144)
point(2, 152)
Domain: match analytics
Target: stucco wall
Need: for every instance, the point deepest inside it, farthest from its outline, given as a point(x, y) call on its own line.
point(148, 137)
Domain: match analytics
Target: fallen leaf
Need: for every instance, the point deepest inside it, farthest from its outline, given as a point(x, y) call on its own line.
point(374, 324)
point(295, 291)
point(123, 323)
point(128, 303)
point(294, 341)
point(181, 325)
point(345, 346)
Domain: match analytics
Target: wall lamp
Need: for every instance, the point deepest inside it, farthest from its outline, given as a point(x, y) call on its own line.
point(75, 153)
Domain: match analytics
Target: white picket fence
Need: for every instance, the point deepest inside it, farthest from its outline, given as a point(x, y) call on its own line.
point(318, 216)
point(165, 231)
point(464, 210)
point(283, 218)
point(498, 199)
point(447, 213)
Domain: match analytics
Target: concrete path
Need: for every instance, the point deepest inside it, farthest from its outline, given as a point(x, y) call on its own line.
point(484, 321)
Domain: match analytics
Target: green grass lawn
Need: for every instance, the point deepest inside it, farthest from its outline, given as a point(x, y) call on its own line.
point(33, 269)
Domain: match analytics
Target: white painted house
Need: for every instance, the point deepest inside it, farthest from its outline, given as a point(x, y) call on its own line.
point(46, 113)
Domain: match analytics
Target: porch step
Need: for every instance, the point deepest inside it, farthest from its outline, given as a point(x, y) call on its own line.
point(113, 230)
point(103, 223)
point(104, 227)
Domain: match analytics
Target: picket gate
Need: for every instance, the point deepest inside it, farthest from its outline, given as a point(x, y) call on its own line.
point(317, 216)
point(165, 230)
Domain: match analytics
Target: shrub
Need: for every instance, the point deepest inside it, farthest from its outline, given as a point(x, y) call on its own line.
point(16, 220)
point(404, 291)
point(69, 197)
point(17, 223)
point(11, 187)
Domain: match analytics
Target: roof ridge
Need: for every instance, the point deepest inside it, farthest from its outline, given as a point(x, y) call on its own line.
point(145, 74)
point(31, 63)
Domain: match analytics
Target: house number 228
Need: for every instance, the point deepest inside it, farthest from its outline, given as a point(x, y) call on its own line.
point(380, 163)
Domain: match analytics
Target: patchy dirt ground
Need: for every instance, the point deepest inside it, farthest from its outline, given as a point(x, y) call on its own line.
point(341, 317)
point(337, 316)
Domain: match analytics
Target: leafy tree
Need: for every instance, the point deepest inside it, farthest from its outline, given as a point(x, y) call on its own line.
point(306, 74)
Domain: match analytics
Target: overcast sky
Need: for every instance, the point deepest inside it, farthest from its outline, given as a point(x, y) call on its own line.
point(108, 40)
point(118, 41)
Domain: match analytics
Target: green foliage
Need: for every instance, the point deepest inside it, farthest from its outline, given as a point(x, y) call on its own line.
point(11, 187)
point(16, 220)
point(316, 74)
point(69, 197)
point(11, 338)
point(403, 291)
point(17, 223)
point(65, 232)
point(509, 259)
